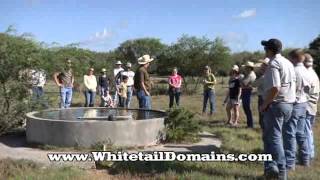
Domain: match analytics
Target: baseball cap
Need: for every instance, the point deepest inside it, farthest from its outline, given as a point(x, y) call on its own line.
point(272, 44)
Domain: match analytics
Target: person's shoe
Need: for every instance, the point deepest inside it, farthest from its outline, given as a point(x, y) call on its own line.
point(291, 168)
point(282, 175)
point(272, 173)
point(305, 163)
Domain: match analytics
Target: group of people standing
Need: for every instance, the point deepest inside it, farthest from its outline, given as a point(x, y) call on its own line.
point(124, 80)
point(289, 92)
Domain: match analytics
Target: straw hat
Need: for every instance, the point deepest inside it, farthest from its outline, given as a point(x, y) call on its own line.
point(249, 64)
point(235, 68)
point(145, 59)
point(103, 70)
point(118, 63)
point(264, 61)
point(128, 65)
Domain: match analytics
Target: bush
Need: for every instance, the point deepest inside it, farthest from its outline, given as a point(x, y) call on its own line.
point(181, 126)
point(17, 56)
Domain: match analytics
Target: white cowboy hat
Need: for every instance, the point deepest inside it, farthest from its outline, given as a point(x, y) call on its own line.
point(145, 59)
point(103, 70)
point(249, 64)
point(235, 68)
point(264, 61)
point(118, 63)
point(128, 64)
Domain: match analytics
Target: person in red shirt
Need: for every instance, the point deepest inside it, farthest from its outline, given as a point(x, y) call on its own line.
point(174, 82)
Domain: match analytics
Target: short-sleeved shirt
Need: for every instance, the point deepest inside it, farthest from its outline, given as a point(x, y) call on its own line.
point(130, 75)
point(212, 81)
point(258, 83)
point(303, 83)
point(142, 75)
point(313, 95)
point(175, 80)
point(103, 81)
point(248, 80)
point(280, 73)
point(234, 88)
point(66, 78)
point(38, 78)
point(116, 71)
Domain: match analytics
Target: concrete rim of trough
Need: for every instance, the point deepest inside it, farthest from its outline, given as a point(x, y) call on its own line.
point(31, 115)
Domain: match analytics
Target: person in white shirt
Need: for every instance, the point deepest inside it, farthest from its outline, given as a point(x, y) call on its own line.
point(117, 79)
point(130, 84)
point(278, 98)
point(294, 129)
point(90, 83)
point(107, 100)
point(312, 104)
point(38, 80)
point(246, 86)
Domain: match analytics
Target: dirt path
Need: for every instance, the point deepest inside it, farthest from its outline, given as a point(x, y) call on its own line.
point(14, 146)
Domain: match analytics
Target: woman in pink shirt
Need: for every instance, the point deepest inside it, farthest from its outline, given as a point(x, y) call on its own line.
point(174, 82)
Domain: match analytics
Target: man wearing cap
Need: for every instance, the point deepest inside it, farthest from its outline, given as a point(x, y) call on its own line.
point(279, 96)
point(258, 83)
point(142, 82)
point(312, 104)
point(117, 79)
point(294, 129)
point(65, 82)
point(246, 85)
point(130, 74)
point(103, 85)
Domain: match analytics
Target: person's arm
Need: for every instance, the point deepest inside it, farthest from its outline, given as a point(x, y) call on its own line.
point(56, 79)
point(85, 82)
point(72, 80)
point(239, 95)
point(226, 98)
point(95, 83)
point(212, 82)
point(170, 83)
point(142, 84)
point(274, 86)
point(179, 83)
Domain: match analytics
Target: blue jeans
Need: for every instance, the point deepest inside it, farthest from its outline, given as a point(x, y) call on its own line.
point(102, 92)
point(246, 100)
point(129, 96)
point(173, 95)
point(310, 140)
point(90, 98)
point(144, 100)
point(37, 92)
point(260, 102)
point(273, 120)
point(66, 97)
point(209, 94)
point(37, 96)
point(294, 132)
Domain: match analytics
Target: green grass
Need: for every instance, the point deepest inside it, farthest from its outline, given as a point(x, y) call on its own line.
point(234, 140)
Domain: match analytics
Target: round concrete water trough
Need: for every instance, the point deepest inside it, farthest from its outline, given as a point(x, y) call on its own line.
point(85, 127)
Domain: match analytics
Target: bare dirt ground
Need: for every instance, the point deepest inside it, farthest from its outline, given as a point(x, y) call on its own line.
point(14, 146)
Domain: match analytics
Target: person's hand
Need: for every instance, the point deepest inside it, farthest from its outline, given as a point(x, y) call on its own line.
point(147, 93)
point(59, 84)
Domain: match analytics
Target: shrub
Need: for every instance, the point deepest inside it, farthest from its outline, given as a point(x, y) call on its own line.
point(181, 126)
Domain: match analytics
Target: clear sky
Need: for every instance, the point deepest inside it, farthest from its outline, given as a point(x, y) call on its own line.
point(103, 24)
